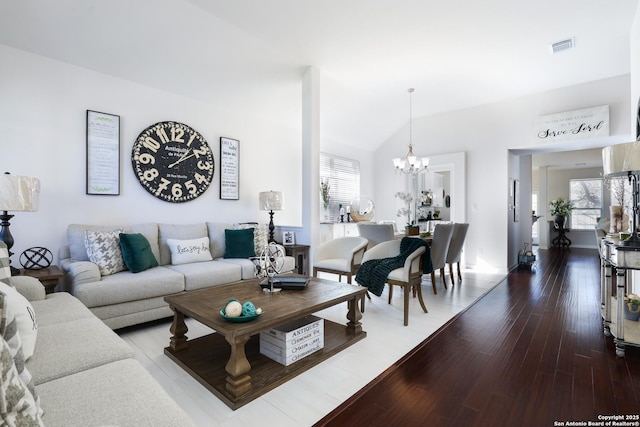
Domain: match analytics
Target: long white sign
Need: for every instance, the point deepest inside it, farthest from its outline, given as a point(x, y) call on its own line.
point(577, 124)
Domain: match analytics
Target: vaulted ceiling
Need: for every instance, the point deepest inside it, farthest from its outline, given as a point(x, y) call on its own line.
point(251, 53)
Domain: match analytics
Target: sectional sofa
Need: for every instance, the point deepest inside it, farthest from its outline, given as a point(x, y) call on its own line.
point(218, 253)
point(78, 371)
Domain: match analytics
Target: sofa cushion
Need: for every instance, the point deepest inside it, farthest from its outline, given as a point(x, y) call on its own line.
point(17, 404)
point(75, 346)
point(178, 232)
point(59, 307)
point(206, 274)
point(76, 235)
point(239, 243)
point(192, 250)
point(127, 286)
point(217, 237)
point(25, 317)
point(103, 249)
point(247, 267)
point(121, 393)
point(136, 252)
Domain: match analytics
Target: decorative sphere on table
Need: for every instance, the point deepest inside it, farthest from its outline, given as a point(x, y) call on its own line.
point(36, 258)
point(233, 308)
point(248, 309)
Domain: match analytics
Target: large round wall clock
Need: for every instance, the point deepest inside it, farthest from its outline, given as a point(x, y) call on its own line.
point(173, 162)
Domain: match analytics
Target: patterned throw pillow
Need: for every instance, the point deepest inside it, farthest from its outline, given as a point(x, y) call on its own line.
point(10, 336)
point(17, 405)
point(5, 270)
point(25, 318)
point(103, 249)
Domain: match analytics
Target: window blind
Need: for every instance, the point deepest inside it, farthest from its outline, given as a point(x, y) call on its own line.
point(343, 176)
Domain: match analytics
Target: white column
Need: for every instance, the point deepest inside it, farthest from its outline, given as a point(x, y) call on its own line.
point(311, 158)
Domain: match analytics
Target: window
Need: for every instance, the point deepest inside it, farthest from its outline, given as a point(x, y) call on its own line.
point(343, 176)
point(586, 195)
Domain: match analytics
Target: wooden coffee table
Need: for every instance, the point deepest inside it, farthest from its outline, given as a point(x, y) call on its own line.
point(229, 363)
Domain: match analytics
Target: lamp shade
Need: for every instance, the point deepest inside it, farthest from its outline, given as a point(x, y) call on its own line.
point(19, 193)
point(271, 201)
point(620, 159)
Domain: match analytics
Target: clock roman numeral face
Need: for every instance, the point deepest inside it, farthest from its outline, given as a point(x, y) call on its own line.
point(173, 162)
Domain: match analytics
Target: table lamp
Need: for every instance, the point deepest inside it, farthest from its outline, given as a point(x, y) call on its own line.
point(624, 160)
point(17, 193)
point(271, 201)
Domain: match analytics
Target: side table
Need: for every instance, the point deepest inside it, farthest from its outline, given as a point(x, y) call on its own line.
point(47, 276)
point(561, 240)
point(301, 254)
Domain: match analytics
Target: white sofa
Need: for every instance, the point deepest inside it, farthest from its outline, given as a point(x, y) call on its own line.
point(84, 374)
point(125, 298)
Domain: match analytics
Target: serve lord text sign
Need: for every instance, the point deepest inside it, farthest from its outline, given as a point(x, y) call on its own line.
point(570, 125)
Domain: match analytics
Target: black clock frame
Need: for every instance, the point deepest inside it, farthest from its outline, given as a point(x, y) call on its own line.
point(173, 162)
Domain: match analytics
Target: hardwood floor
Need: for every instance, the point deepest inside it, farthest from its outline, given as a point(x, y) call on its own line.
point(529, 353)
point(310, 396)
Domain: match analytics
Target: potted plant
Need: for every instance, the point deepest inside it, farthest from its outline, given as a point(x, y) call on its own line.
point(560, 209)
point(411, 228)
point(324, 193)
point(632, 307)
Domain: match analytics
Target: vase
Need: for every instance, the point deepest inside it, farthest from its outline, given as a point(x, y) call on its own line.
point(619, 220)
point(412, 230)
point(631, 311)
point(559, 221)
point(326, 215)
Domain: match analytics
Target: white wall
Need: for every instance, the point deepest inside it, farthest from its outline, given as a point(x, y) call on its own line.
point(43, 107)
point(486, 133)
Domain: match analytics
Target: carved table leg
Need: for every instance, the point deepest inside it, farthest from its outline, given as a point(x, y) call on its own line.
point(354, 327)
point(238, 382)
point(178, 330)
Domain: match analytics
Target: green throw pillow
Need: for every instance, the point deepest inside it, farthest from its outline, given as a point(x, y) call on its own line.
point(239, 243)
point(136, 252)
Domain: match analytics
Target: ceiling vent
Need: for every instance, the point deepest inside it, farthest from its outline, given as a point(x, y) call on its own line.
point(562, 45)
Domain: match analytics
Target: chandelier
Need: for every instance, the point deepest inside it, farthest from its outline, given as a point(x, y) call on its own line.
point(411, 164)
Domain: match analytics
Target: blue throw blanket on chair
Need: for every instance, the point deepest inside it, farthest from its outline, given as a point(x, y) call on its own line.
point(373, 273)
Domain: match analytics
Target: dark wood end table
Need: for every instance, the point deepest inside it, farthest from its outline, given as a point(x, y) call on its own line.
point(47, 276)
point(301, 254)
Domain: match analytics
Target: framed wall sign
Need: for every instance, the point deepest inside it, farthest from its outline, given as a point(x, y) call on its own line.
point(229, 169)
point(103, 153)
point(572, 125)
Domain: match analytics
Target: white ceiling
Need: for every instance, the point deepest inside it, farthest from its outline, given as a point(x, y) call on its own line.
point(251, 53)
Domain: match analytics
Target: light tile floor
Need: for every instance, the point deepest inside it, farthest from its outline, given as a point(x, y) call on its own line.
point(310, 396)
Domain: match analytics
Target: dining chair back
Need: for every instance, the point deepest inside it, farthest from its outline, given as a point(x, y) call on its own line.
point(375, 233)
point(409, 276)
point(455, 248)
point(439, 249)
